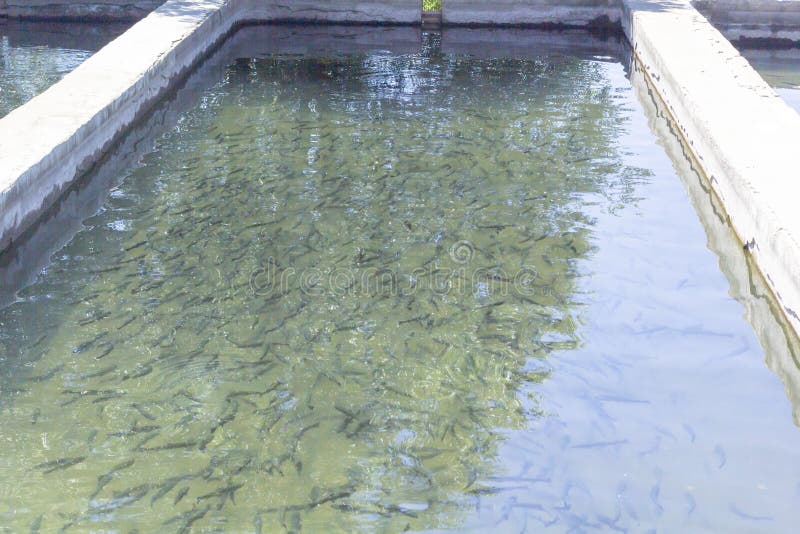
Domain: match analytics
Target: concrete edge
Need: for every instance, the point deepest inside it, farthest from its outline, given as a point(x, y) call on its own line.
point(532, 13)
point(60, 134)
point(129, 11)
point(737, 127)
point(747, 285)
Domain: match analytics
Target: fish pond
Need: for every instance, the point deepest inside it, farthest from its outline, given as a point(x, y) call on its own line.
point(370, 280)
point(35, 55)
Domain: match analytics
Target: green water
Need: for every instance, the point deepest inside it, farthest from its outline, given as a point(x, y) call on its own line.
point(35, 55)
point(336, 293)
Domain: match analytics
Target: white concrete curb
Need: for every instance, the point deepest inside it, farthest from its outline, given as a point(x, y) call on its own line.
point(54, 138)
point(742, 133)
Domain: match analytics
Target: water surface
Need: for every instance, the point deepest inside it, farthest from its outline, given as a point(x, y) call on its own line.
point(35, 55)
point(780, 68)
point(375, 280)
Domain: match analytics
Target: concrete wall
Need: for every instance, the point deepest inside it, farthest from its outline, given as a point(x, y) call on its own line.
point(531, 12)
point(77, 36)
point(59, 135)
point(751, 12)
point(770, 22)
point(386, 11)
point(93, 9)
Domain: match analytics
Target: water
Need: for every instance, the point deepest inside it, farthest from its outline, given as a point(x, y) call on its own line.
point(368, 284)
point(780, 68)
point(35, 55)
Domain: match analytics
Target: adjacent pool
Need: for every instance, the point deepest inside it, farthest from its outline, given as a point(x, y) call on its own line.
point(780, 68)
point(35, 55)
point(369, 279)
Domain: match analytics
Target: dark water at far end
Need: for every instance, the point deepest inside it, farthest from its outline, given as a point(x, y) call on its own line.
point(407, 286)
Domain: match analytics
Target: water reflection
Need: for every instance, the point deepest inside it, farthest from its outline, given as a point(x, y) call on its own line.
point(35, 55)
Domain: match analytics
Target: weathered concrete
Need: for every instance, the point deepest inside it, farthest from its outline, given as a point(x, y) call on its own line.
point(766, 22)
point(60, 134)
point(524, 43)
point(531, 12)
point(349, 11)
point(784, 13)
point(742, 133)
point(66, 9)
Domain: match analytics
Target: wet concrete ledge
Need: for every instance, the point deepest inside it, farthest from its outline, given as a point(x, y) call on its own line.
point(740, 131)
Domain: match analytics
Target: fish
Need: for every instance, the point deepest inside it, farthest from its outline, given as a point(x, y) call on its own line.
point(134, 430)
point(99, 373)
point(180, 495)
point(135, 246)
point(88, 344)
point(334, 496)
point(48, 374)
point(104, 479)
point(144, 413)
point(166, 487)
point(225, 493)
point(187, 519)
point(169, 446)
point(107, 349)
point(139, 372)
point(61, 463)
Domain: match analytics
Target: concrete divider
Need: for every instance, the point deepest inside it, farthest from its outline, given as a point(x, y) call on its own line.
point(57, 136)
point(766, 22)
point(570, 13)
point(82, 10)
point(741, 132)
point(348, 11)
